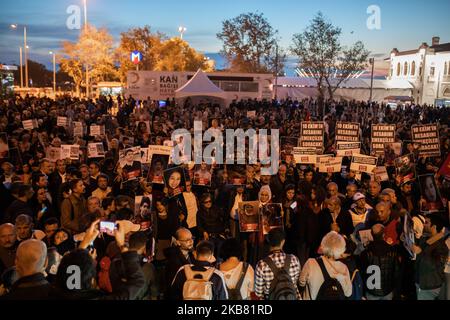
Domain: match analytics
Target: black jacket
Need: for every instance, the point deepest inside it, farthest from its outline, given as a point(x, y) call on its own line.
point(175, 260)
point(213, 220)
point(34, 287)
point(131, 286)
point(344, 221)
point(17, 208)
point(218, 283)
point(385, 256)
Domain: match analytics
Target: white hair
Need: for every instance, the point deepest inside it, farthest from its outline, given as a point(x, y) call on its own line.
point(333, 245)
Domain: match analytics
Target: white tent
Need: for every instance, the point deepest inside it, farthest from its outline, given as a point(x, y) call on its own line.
point(200, 86)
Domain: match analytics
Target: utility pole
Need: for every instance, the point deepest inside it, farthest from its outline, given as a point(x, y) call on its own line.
point(276, 73)
point(21, 68)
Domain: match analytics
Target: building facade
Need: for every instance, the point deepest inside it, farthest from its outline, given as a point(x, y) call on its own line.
point(426, 68)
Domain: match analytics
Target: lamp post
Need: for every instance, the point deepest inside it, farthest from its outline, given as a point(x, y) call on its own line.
point(21, 68)
point(181, 30)
point(87, 66)
point(54, 72)
point(25, 48)
point(372, 62)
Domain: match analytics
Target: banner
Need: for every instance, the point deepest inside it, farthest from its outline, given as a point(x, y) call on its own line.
point(347, 132)
point(312, 135)
point(305, 155)
point(382, 134)
point(70, 152)
point(330, 165)
point(428, 137)
point(362, 163)
point(348, 149)
point(62, 122)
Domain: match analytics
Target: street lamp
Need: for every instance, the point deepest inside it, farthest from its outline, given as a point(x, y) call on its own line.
point(372, 62)
point(21, 67)
point(181, 30)
point(54, 72)
point(85, 29)
point(14, 27)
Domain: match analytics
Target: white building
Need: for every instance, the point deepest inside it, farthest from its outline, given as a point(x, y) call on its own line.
point(426, 68)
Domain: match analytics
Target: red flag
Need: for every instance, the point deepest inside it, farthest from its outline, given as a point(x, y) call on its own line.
point(445, 169)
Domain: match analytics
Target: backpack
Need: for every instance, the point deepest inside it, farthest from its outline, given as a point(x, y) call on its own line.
point(331, 288)
point(198, 285)
point(282, 286)
point(235, 293)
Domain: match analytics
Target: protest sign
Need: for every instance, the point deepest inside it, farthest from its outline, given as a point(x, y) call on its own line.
point(382, 134)
point(251, 114)
point(271, 217)
point(70, 152)
point(304, 155)
point(381, 174)
point(330, 165)
point(430, 193)
point(391, 152)
point(130, 163)
point(96, 150)
point(347, 149)
point(30, 124)
point(62, 122)
point(312, 135)
point(53, 154)
point(362, 163)
point(96, 130)
point(428, 137)
point(175, 181)
point(202, 175)
point(405, 168)
point(78, 129)
point(249, 216)
point(347, 132)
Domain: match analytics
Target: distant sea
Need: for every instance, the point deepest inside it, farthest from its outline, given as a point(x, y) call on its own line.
point(291, 65)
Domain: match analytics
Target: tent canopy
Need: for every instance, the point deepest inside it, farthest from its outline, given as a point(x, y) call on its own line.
point(200, 86)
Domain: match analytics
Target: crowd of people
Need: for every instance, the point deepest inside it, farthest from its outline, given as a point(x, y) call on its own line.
point(342, 236)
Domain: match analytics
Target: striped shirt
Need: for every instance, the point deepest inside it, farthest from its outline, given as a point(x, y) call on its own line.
point(264, 275)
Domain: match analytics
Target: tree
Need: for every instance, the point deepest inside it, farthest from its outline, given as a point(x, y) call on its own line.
point(92, 52)
point(319, 50)
point(249, 43)
point(177, 55)
point(143, 40)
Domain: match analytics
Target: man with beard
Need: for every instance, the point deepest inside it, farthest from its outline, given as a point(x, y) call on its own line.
point(8, 246)
point(180, 254)
point(408, 198)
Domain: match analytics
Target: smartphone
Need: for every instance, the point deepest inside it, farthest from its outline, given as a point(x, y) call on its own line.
point(294, 205)
point(107, 227)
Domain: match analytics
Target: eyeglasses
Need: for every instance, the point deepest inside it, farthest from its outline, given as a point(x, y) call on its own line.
point(206, 202)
